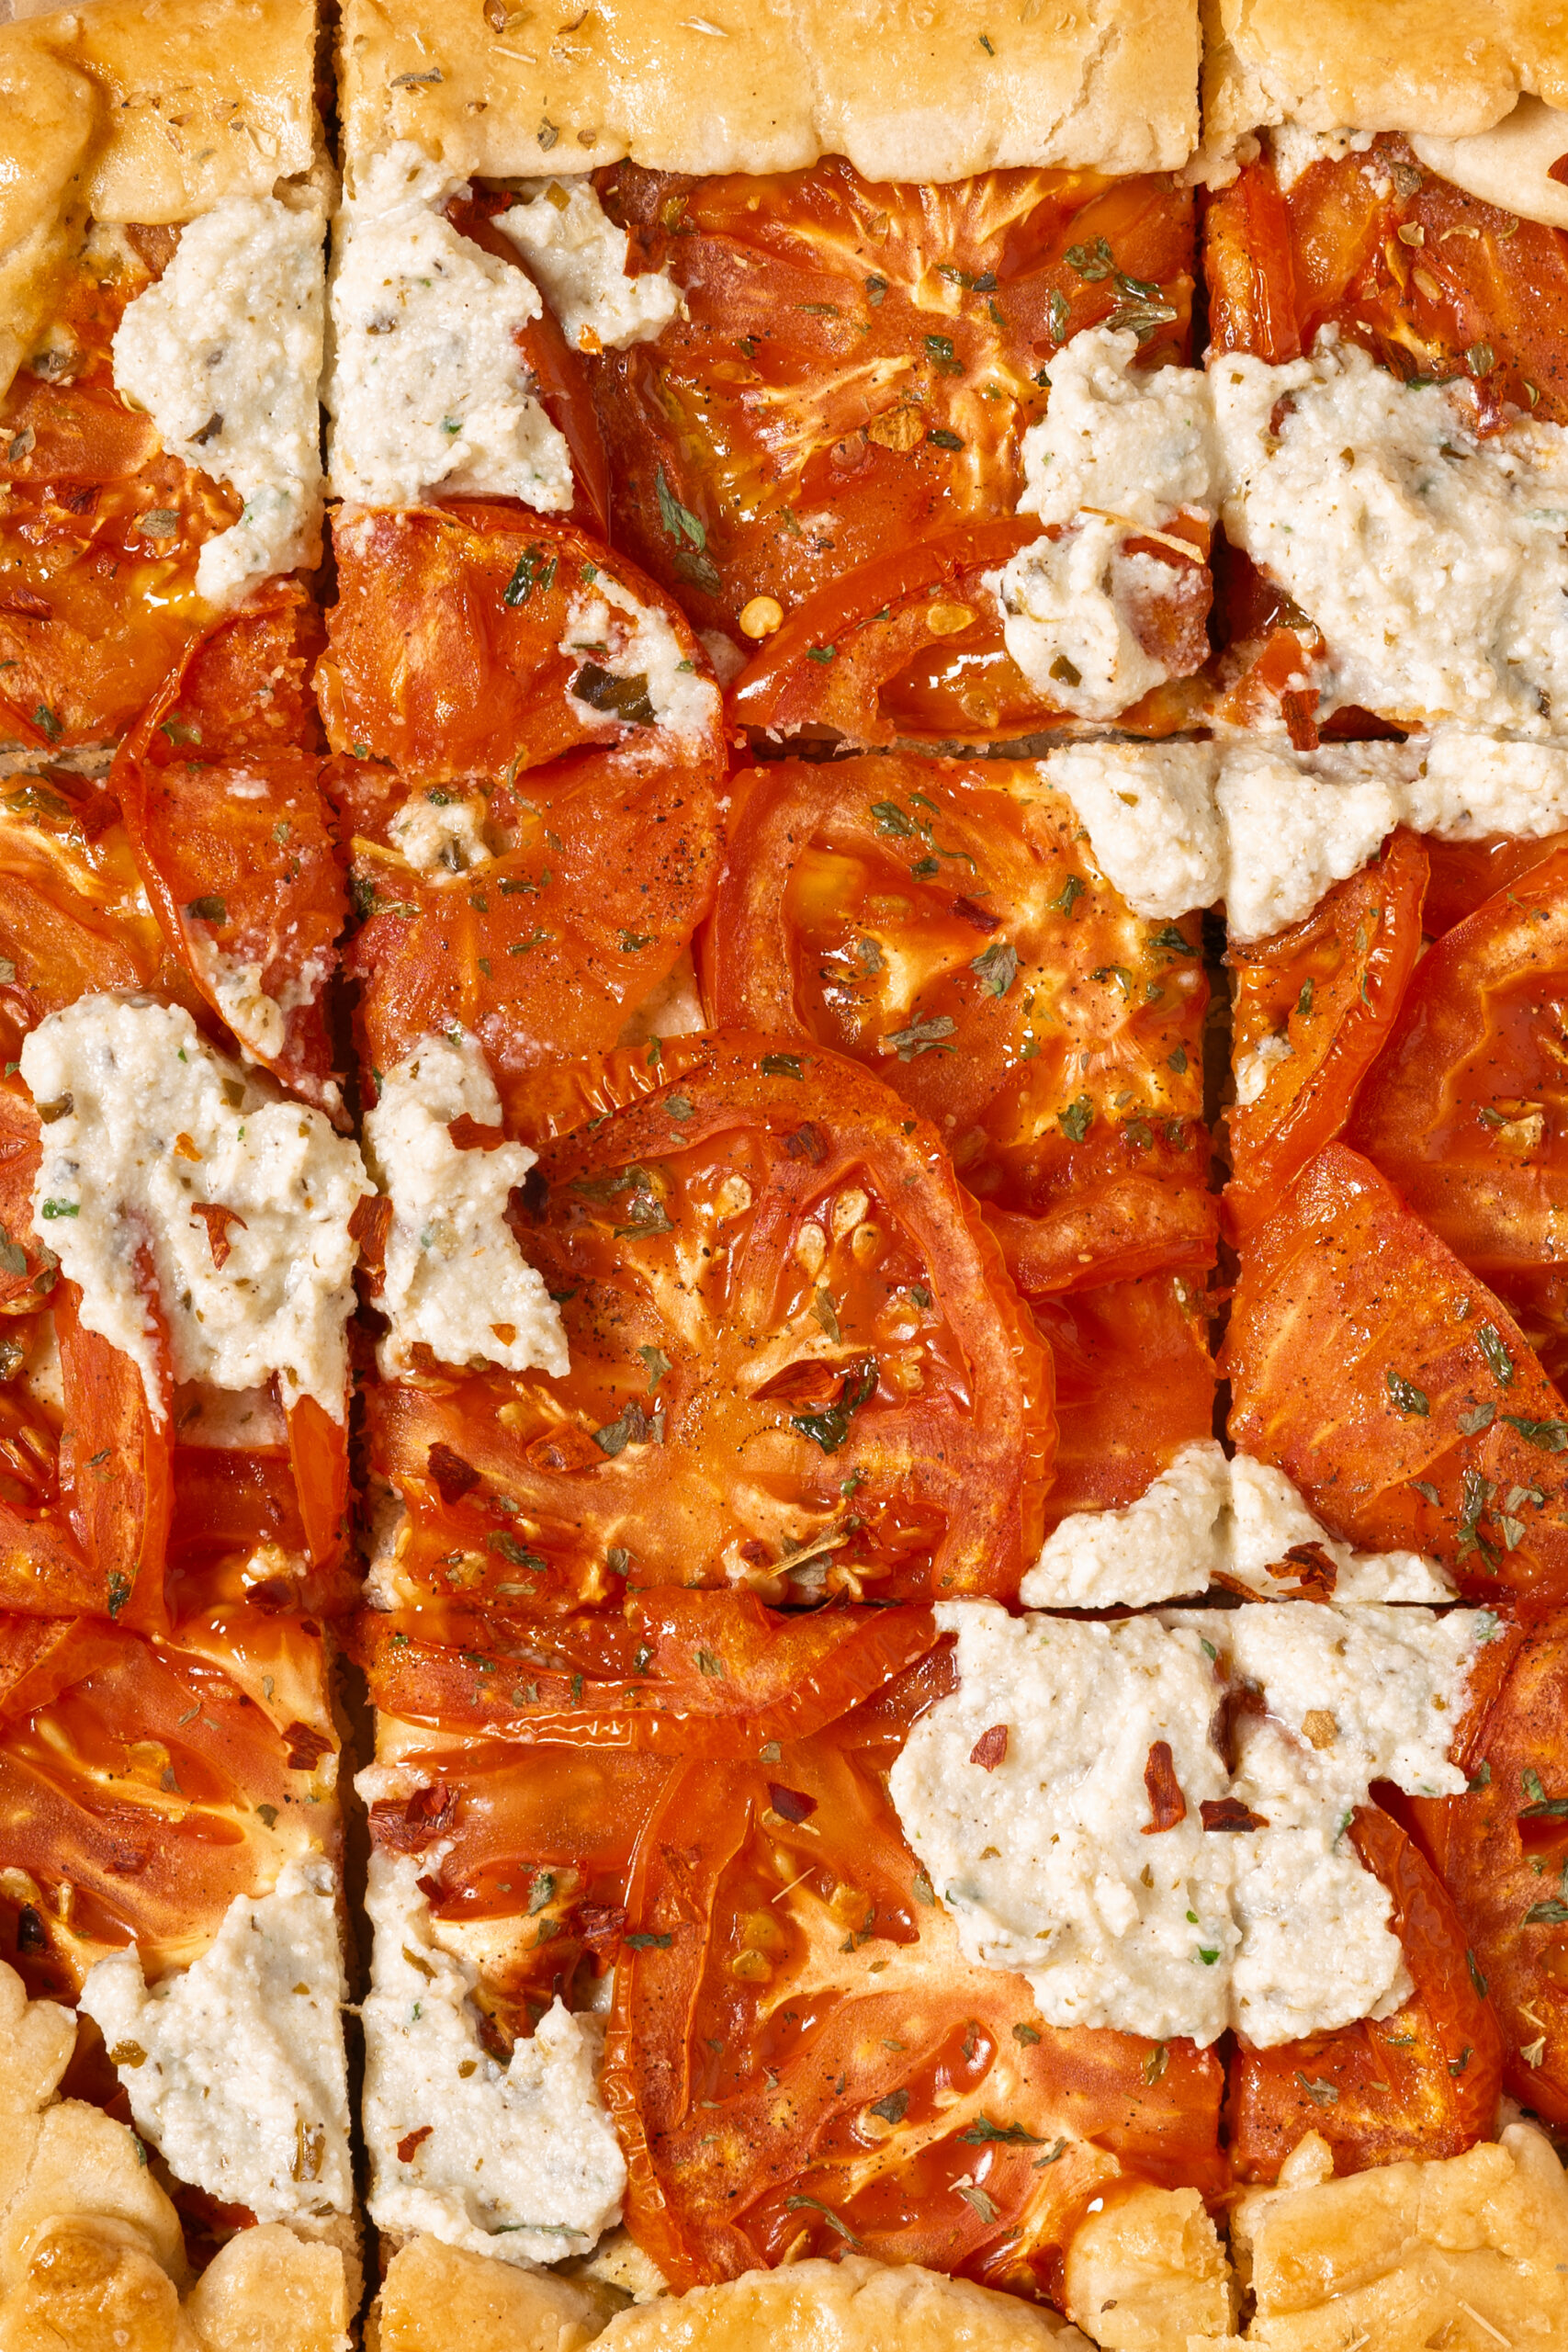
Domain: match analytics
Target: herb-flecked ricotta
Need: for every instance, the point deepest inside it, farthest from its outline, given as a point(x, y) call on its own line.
point(578, 259)
point(610, 633)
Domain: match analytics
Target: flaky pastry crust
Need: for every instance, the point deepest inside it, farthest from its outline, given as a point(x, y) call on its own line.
point(907, 89)
point(1449, 67)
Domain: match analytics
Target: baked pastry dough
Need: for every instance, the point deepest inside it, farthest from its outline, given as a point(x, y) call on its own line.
point(1449, 67)
point(1147, 2271)
point(438, 2300)
point(933, 92)
point(144, 110)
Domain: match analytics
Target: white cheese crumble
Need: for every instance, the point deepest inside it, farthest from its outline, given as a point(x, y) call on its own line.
point(440, 833)
point(428, 388)
point(1119, 449)
point(144, 1125)
point(1252, 1068)
point(1290, 833)
point(1150, 815)
point(1434, 561)
point(235, 2068)
point(1206, 1521)
point(456, 1279)
point(1029, 1794)
point(1042, 1860)
point(224, 353)
point(1294, 150)
point(577, 258)
point(611, 630)
point(519, 2161)
point(1353, 1696)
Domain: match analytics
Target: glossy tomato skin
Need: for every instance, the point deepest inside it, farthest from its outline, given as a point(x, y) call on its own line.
point(1502, 1850)
point(1420, 2083)
point(1135, 1383)
point(801, 2062)
point(1332, 985)
point(798, 1366)
point(1468, 289)
point(1394, 1390)
point(945, 923)
point(144, 1783)
point(101, 531)
point(1466, 1109)
point(840, 339)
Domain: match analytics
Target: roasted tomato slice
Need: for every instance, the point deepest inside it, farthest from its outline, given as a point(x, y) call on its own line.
point(1311, 1010)
point(1467, 1109)
point(601, 867)
point(230, 829)
point(1420, 2083)
point(1466, 873)
point(116, 1457)
point(100, 531)
point(1502, 1850)
point(909, 647)
point(945, 923)
point(1135, 1383)
point(144, 1784)
point(801, 2060)
point(475, 640)
point(798, 1362)
point(688, 1673)
point(1394, 1390)
point(858, 363)
point(1433, 281)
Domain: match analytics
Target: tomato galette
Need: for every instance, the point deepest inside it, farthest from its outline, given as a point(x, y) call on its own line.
point(783, 1351)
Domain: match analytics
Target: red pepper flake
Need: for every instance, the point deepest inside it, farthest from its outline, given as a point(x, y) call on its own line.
point(1316, 1573)
point(411, 2140)
point(991, 1748)
point(216, 1221)
point(1229, 1813)
point(1167, 1803)
point(1298, 709)
point(453, 1476)
point(468, 1135)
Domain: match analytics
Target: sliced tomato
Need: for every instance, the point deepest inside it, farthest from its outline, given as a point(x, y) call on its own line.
point(1502, 1850)
point(1420, 2083)
point(318, 1451)
point(798, 1364)
point(115, 1459)
point(1330, 987)
point(1394, 1390)
point(100, 531)
point(604, 864)
point(463, 639)
point(538, 1851)
point(802, 2062)
point(1466, 873)
point(687, 1673)
point(945, 923)
point(558, 375)
point(857, 363)
point(1135, 1383)
point(1467, 1109)
point(1431, 280)
point(144, 1784)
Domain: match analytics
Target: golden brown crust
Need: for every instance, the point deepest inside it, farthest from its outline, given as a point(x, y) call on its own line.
point(1147, 2271)
point(910, 89)
point(1446, 66)
point(439, 2298)
point(856, 2306)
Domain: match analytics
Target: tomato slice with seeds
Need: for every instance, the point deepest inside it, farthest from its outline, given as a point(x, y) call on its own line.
point(452, 649)
point(1431, 280)
point(801, 2062)
point(145, 1783)
point(1394, 1390)
point(1135, 1383)
point(1467, 1109)
point(603, 866)
point(687, 1673)
point(1328, 989)
point(1502, 1850)
point(946, 924)
point(858, 362)
point(798, 1366)
point(1420, 2083)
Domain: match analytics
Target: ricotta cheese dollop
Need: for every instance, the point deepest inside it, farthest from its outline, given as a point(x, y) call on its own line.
point(456, 1280)
point(1076, 1818)
point(577, 258)
point(1120, 451)
point(1433, 560)
point(161, 1156)
point(1208, 1521)
point(428, 387)
point(234, 2067)
point(440, 833)
point(224, 353)
point(630, 665)
point(519, 2161)
point(1149, 811)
